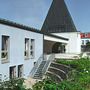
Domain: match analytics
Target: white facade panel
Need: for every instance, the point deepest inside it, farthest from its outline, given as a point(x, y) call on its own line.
point(54, 39)
point(17, 47)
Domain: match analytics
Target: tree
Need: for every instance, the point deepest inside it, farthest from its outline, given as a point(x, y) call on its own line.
point(87, 47)
point(88, 44)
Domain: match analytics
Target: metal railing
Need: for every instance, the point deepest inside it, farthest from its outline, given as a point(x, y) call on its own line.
point(48, 62)
point(34, 69)
point(46, 66)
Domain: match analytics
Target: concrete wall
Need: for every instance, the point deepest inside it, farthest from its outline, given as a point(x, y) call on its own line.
point(74, 44)
point(17, 47)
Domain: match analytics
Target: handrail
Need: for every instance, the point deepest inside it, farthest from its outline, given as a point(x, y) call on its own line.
point(48, 62)
point(34, 69)
point(46, 66)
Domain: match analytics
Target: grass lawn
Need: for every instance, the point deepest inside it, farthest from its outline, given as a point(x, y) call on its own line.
point(80, 73)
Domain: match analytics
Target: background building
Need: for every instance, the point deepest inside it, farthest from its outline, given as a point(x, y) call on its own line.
point(59, 22)
point(85, 38)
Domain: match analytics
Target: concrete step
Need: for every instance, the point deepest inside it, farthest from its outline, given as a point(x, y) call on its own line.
point(58, 72)
point(54, 76)
point(65, 68)
point(66, 56)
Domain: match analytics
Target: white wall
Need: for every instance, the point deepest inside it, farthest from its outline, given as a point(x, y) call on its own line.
point(49, 38)
point(17, 37)
point(74, 44)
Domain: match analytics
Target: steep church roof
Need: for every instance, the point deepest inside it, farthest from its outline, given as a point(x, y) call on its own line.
point(58, 19)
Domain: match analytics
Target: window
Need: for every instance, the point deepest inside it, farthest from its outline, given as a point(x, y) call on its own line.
point(12, 72)
point(29, 48)
point(5, 47)
point(87, 41)
point(20, 71)
point(32, 47)
point(82, 42)
point(26, 53)
point(0, 77)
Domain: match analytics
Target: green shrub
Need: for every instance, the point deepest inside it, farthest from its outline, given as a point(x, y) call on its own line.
point(13, 84)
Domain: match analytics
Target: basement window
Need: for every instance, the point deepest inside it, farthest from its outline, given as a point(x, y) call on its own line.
point(12, 72)
point(20, 71)
point(5, 48)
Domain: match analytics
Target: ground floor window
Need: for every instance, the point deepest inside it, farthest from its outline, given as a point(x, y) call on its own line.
point(26, 52)
point(29, 48)
point(5, 47)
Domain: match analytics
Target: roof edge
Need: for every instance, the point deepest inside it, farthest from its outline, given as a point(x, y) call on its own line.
point(17, 25)
point(59, 37)
point(27, 28)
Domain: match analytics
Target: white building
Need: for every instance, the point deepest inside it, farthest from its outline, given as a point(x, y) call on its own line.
point(59, 22)
point(85, 37)
point(21, 46)
point(74, 42)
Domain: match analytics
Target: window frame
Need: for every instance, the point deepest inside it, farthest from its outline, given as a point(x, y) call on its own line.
point(20, 67)
point(26, 51)
point(32, 48)
point(5, 52)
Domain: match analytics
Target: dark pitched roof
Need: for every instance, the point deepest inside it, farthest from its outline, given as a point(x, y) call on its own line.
point(58, 19)
point(16, 25)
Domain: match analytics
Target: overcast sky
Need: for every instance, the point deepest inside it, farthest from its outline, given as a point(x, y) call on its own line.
point(33, 12)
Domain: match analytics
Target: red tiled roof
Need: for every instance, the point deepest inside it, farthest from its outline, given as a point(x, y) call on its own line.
point(85, 35)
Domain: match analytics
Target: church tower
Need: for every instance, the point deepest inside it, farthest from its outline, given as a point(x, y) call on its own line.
point(58, 19)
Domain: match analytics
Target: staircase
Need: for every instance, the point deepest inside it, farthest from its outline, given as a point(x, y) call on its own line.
point(58, 72)
point(38, 74)
point(41, 67)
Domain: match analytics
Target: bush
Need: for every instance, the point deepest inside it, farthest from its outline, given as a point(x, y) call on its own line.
point(13, 84)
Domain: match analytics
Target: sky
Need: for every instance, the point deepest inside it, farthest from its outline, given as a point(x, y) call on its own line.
point(33, 12)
